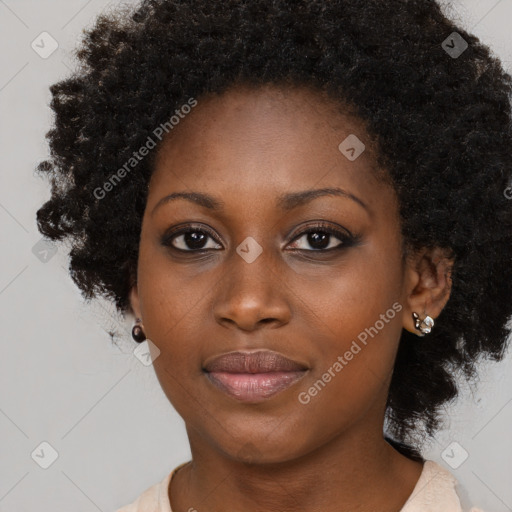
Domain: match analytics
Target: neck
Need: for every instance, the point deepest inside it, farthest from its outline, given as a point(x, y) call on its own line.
point(356, 471)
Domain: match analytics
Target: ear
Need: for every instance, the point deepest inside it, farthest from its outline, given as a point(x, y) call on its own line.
point(427, 284)
point(134, 301)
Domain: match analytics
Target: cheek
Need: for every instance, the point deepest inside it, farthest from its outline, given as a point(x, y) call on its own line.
point(351, 297)
point(355, 320)
point(170, 305)
point(170, 293)
point(170, 310)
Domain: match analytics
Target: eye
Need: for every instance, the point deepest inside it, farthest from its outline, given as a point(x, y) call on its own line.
point(322, 237)
point(191, 239)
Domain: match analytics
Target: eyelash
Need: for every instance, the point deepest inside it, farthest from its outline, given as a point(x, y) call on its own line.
point(346, 240)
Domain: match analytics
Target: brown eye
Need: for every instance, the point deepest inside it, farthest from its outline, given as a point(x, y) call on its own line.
point(191, 239)
point(322, 238)
point(319, 240)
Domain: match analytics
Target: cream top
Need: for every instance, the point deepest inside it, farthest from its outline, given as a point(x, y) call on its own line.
point(434, 492)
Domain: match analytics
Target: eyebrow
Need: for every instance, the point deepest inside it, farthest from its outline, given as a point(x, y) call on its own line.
point(285, 202)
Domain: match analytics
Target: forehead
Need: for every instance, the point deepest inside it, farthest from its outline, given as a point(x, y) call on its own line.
point(255, 143)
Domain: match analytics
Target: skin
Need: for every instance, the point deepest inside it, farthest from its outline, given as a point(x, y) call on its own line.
point(246, 147)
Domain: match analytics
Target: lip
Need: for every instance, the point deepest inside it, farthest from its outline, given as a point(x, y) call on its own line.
point(253, 376)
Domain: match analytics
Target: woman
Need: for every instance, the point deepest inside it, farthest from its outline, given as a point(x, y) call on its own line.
point(306, 207)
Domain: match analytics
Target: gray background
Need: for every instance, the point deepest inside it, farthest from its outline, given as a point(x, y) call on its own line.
point(63, 381)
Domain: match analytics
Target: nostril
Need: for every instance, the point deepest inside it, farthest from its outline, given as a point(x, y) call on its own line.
point(267, 320)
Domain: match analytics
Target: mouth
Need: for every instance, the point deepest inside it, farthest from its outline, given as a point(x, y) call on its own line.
point(253, 376)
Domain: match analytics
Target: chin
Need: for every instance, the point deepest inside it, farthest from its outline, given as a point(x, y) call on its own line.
point(280, 450)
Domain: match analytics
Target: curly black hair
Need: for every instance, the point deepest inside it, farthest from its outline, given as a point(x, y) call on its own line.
point(441, 121)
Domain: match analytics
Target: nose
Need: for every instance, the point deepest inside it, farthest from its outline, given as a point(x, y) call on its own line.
point(251, 295)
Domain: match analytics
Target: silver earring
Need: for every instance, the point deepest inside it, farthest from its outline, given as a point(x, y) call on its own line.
point(425, 325)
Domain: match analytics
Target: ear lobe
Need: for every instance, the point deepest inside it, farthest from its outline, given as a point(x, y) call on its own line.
point(428, 284)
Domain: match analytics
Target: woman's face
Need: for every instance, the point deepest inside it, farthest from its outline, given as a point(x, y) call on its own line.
point(332, 301)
